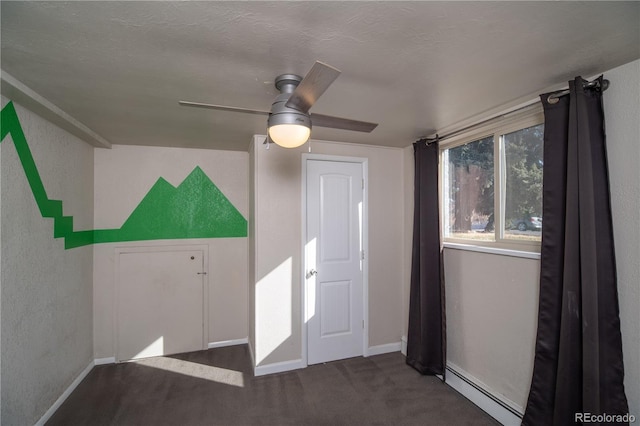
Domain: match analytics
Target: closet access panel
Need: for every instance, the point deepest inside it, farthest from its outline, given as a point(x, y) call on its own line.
point(160, 302)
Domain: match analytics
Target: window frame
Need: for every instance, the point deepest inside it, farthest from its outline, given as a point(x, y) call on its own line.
point(495, 128)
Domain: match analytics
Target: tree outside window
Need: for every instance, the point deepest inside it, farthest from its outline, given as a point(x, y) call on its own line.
point(523, 183)
point(471, 189)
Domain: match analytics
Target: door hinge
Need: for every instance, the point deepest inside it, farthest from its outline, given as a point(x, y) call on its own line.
point(363, 183)
point(362, 323)
point(362, 255)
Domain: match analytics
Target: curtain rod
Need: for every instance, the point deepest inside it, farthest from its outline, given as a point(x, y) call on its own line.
point(553, 98)
point(439, 138)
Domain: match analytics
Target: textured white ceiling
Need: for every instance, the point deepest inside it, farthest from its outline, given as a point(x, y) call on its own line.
point(414, 67)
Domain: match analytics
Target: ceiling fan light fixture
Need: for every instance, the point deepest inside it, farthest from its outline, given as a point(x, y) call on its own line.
point(289, 129)
point(289, 123)
point(289, 135)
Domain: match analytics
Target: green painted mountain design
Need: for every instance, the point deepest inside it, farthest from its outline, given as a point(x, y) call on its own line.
point(194, 209)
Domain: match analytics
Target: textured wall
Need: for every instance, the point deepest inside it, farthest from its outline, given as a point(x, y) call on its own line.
point(123, 176)
point(622, 109)
point(46, 290)
point(277, 240)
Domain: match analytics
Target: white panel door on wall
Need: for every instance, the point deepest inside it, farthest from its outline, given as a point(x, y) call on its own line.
point(160, 303)
point(334, 276)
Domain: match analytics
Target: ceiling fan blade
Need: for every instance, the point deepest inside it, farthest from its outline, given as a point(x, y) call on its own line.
point(312, 86)
point(223, 108)
point(342, 123)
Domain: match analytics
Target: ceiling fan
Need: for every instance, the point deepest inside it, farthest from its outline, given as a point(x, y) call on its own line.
point(289, 123)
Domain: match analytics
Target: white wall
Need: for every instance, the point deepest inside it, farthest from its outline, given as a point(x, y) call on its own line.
point(622, 112)
point(408, 161)
point(46, 290)
point(123, 176)
point(277, 243)
point(492, 300)
point(492, 311)
point(251, 264)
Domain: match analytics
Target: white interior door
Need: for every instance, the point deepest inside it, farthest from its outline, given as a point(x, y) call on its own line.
point(334, 278)
point(160, 303)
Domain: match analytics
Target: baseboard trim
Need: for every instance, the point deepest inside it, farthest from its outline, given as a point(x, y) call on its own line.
point(384, 349)
point(104, 361)
point(475, 391)
point(278, 367)
point(225, 343)
point(403, 349)
point(45, 418)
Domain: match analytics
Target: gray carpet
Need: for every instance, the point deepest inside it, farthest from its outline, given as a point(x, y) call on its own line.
point(217, 387)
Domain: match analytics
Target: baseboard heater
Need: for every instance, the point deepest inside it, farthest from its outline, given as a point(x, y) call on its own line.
point(493, 398)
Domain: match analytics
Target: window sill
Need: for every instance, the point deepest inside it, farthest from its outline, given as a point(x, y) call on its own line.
point(492, 250)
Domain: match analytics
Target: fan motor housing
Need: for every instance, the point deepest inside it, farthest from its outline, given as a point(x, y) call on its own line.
point(282, 114)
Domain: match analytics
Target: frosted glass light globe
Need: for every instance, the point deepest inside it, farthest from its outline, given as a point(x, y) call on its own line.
point(289, 135)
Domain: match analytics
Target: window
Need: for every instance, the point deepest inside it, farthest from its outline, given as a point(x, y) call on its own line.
point(492, 184)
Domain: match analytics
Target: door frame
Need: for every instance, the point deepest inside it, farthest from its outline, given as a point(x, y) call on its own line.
point(117, 251)
point(364, 162)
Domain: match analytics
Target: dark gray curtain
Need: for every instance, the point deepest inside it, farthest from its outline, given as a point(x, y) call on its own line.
point(426, 336)
point(578, 364)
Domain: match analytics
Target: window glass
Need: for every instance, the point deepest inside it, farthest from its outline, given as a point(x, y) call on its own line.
point(492, 186)
point(523, 184)
point(470, 189)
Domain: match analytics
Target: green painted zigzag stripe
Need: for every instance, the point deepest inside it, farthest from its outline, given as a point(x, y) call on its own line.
point(194, 209)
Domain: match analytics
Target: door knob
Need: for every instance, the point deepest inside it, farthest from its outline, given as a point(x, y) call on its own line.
point(311, 273)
